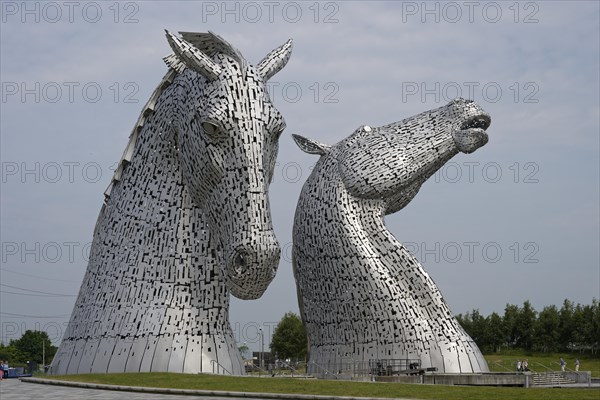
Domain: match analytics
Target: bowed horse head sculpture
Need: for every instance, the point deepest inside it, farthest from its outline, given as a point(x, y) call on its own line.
point(363, 297)
point(186, 220)
point(228, 136)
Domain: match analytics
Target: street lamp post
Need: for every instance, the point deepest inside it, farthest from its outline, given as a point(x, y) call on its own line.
point(262, 348)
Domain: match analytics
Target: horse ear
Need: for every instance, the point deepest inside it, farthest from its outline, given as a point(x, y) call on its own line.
point(193, 58)
point(311, 146)
point(275, 61)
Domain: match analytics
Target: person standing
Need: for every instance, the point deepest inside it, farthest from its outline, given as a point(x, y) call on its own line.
point(4, 366)
point(563, 364)
point(577, 364)
point(525, 366)
point(518, 365)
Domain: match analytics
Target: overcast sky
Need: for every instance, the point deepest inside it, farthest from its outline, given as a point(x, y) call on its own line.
point(516, 220)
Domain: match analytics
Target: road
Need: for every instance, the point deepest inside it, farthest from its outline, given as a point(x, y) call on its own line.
point(13, 389)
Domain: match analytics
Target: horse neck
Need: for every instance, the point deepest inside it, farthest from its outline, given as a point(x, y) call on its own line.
point(359, 224)
point(325, 202)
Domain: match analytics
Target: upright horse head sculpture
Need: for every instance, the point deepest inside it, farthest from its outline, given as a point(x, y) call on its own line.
point(228, 134)
point(363, 297)
point(185, 222)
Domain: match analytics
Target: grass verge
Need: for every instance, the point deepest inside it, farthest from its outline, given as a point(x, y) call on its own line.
point(332, 388)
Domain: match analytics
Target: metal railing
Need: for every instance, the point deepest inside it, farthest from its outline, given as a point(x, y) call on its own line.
point(284, 367)
point(255, 368)
point(325, 370)
point(546, 369)
point(502, 365)
point(389, 367)
point(348, 368)
point(218, 365)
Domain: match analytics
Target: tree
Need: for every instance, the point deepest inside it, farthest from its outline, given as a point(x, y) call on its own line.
point(573, 327)
point(580, 321)
point(510, 322)
point(12, 355)
point(466, 323)
point(593, 335)
point(525, 323)
point(584, 330)
point(495, 332)
point(479, 327)
point(546, 330)
point(566, 324)
point(244, 350)
point(34, 345)
point(289, 339)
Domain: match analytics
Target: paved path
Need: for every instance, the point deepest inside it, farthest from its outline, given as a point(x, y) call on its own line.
point(13, 389)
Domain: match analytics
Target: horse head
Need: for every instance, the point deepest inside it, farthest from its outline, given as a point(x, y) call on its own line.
point(392, 162)
point(227, 134)
point(361, 293)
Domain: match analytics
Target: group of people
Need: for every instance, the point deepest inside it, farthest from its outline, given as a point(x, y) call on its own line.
point(522, 366)
point(3, 370)
point(563, 364)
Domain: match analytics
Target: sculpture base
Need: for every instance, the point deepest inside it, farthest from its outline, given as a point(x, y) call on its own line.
point(396, 358)
point(180, 353)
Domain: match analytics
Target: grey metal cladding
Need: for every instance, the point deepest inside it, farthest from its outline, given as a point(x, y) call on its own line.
point(362, 295)
point(186, 220)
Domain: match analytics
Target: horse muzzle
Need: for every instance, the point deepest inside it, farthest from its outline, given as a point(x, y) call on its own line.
point(472, 134)
point(252, 266)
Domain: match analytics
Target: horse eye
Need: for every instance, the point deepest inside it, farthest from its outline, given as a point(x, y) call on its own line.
point(210, 129)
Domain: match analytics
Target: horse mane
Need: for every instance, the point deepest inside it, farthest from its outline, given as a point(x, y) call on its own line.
point(210, 44)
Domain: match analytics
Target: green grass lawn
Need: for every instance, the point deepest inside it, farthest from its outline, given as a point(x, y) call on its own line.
point(334, 388)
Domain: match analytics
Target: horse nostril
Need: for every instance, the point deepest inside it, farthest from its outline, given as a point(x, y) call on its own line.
point(239, 263)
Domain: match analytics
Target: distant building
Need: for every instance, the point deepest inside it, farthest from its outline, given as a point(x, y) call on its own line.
point(266, 356)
